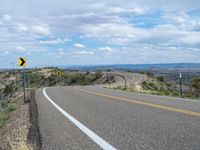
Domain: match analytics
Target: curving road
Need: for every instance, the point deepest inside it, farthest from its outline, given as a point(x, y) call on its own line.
point(131, 78)
point(92, 117)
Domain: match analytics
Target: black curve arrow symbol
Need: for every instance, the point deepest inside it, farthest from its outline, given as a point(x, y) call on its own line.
point(22, 62)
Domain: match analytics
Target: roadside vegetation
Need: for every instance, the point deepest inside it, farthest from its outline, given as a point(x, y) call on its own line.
point(4, 114)
point(49, 78)
point(159, 86)
point(15, 113)
point(12, 83)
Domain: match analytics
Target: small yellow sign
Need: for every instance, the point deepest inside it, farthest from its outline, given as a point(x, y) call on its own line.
point(58, 73)
point(22, 61)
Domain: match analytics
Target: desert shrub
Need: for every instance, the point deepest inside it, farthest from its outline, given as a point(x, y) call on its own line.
point(161, 79)
point(149, 74)
point(3, 118)
point(196, 85)
point(87, 72)
point(11, 107)
point(34, 78)
point(98, 74)
point(10, 89)
point(52, 80)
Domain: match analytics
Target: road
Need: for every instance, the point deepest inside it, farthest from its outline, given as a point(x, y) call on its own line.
point(92, 117)
point(131, 78)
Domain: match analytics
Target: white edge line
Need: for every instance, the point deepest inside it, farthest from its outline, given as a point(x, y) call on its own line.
point(98, 140)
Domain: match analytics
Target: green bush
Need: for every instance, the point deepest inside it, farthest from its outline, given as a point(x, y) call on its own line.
point(98, 74)
point(9, 89)
point(11, 107)
point(196, 85)
point(3, 118)
point(52, 80)
point(34, 78)
point(161, 79)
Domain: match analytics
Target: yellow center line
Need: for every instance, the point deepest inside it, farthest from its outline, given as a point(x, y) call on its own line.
point(142, 103)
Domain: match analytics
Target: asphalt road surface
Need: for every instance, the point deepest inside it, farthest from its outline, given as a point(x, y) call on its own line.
point(92, 117)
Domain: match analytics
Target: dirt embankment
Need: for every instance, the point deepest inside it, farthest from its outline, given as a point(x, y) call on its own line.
point(20, 131)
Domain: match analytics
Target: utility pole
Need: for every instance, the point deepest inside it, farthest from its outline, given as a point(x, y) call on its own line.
point(181, 88)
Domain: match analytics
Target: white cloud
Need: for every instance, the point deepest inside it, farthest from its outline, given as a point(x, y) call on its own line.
point(109, 32)
point(162, 25)
point(21, 49)
point(191, 38)
point(20, 27)
point(85, 53)
point(106, 49)
point(5, 53)
point(54, 42)
point(6, 17)
point(42, 30)
point(133, 11)
point(79, 45)
point(178, 16)
point(60, 53)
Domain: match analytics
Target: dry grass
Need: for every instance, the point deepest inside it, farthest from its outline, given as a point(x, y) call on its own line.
point(23, 146)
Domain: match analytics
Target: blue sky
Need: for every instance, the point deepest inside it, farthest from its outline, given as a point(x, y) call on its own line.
point(82, 32)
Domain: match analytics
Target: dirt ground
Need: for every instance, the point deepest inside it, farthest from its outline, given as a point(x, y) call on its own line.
point(14, 134)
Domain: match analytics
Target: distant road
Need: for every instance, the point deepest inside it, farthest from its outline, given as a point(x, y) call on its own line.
point(131, 78)
point(92, 117)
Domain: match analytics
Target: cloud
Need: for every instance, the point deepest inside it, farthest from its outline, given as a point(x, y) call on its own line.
point(60, 53)
point(178, 16)
point(110, 33)
point(5, 53)
point(20, 27)
point(149, 28)
point(21, 49)
point(54, 42)
point(85, 53)
point(133, 11)
point(191, 39)
point(79, 45)
point(42, 30)
point(6, 17)
point(106, 49)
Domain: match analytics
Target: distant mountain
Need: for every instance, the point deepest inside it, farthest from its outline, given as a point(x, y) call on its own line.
point(134, 66)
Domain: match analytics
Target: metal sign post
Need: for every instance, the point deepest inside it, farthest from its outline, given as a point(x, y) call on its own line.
point(24, 76)
point(181, 88)
point(59, 73)
point(125, 82)
point(22, 63)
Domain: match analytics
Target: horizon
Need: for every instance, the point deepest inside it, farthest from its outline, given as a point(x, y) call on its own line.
point(60, 33)
point(162, 65)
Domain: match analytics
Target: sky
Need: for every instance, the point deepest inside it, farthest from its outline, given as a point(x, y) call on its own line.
point(91, 32)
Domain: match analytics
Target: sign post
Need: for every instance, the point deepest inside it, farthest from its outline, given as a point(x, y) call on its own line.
point(181, 88)
point(59, 73)
point(22, 63)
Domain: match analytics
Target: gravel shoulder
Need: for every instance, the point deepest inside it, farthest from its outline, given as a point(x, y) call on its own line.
point(20, 130)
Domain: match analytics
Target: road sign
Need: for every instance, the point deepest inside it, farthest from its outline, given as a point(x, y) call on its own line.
point(22, 61)
point(58, 73)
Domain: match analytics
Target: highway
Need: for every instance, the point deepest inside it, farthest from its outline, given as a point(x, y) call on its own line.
point(92, 117)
